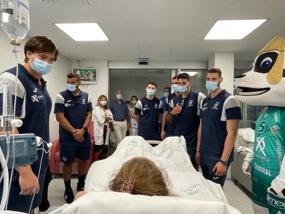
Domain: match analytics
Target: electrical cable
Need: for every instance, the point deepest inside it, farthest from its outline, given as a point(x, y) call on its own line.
point(6, 181)
point(38, 176)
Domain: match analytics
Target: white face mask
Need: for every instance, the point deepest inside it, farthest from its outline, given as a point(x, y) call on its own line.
point(40, 66)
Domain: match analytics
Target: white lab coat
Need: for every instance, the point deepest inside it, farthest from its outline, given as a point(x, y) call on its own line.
point(99, 120)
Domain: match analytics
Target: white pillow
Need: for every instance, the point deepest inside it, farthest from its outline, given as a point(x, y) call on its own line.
point(123, 203)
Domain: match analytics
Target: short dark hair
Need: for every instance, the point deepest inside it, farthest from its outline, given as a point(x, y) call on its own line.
point(152, 83)
point(184, 76)
point(215, 70)
point(73, 75)
point(40, 44)
point(167, 88)
point(175, 77)
point(134, 97)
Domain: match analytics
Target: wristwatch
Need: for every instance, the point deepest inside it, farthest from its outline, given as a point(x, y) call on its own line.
point(85, 129)
point(224, 162)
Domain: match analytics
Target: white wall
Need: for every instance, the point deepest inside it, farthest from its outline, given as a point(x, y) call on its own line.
point(56, 80)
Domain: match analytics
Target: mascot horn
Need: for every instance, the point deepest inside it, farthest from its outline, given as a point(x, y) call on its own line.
point(264, 85)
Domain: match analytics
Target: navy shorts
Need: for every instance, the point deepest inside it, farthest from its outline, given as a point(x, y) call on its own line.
point(191, 150)
point(207, 164)
point(22, 203)
point(69, 150)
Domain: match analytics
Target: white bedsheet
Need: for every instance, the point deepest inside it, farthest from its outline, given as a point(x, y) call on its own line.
point(198, 195)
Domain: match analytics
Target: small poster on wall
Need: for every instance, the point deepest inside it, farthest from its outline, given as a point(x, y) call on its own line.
point(87, 75)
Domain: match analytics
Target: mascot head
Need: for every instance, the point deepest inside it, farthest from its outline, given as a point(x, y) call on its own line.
point(264, 84)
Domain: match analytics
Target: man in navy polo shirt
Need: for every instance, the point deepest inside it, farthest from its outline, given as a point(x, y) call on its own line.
point(220, 115)
point(167, 129)
point(73, 109)
point(184, 114)
point(148, 112)
point(33, 106)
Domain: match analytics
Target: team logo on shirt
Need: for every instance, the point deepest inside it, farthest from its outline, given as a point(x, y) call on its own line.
point(145, 108)
point(36, 98)
point(216, 105)
point(204, 107)
point(260, 145)
point(67, 104)
point(273, 130)
point(35, 90)
point(190, 103)
point(155, 106)
point(83, 101)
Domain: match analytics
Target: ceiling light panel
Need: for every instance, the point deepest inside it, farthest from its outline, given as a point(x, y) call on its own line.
point(233, 29)
point(83, 31)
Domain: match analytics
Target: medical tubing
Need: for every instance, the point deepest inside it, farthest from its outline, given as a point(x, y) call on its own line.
point(5, 90)
point(14, 113)
point(5, 182)
point(37, 178)
point(5, 165)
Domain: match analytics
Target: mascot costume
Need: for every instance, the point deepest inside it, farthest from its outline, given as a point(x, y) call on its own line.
point(264, 85)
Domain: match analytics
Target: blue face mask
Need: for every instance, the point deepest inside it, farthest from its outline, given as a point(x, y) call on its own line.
point(103, 102)
point(212, 86)
point(119, 96)
point(40, 66)
point(134, 101)
point(71, 87)
point(165, 94)
point(174, 88)
point(182, 88)
point(149, 92)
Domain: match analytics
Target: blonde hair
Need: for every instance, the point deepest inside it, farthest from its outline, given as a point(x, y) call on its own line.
point(98, 102)
point(140, 176)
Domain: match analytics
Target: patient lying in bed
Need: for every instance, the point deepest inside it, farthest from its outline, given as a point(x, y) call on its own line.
point(138, 176)
point(126, 171)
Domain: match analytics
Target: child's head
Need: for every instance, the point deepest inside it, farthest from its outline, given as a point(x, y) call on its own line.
point(140, 176)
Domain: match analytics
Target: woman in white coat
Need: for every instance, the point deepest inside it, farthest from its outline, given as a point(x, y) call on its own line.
point(103, 118)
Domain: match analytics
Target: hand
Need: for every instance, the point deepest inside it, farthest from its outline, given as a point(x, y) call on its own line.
point(245, 167)
point(197, 157)
point(163, 134)
point(78, 135)
point(29, 183)
point(176, 110)
point(220, 169)
point(108, 118)
point(80, 140)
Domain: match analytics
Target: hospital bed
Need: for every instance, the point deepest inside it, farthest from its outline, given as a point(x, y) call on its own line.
point(194, 193)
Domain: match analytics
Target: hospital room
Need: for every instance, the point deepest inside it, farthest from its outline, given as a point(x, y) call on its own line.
point(142, 107)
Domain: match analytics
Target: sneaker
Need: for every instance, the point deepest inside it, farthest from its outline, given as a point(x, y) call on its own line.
point(68, 196)
point(80, 187)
